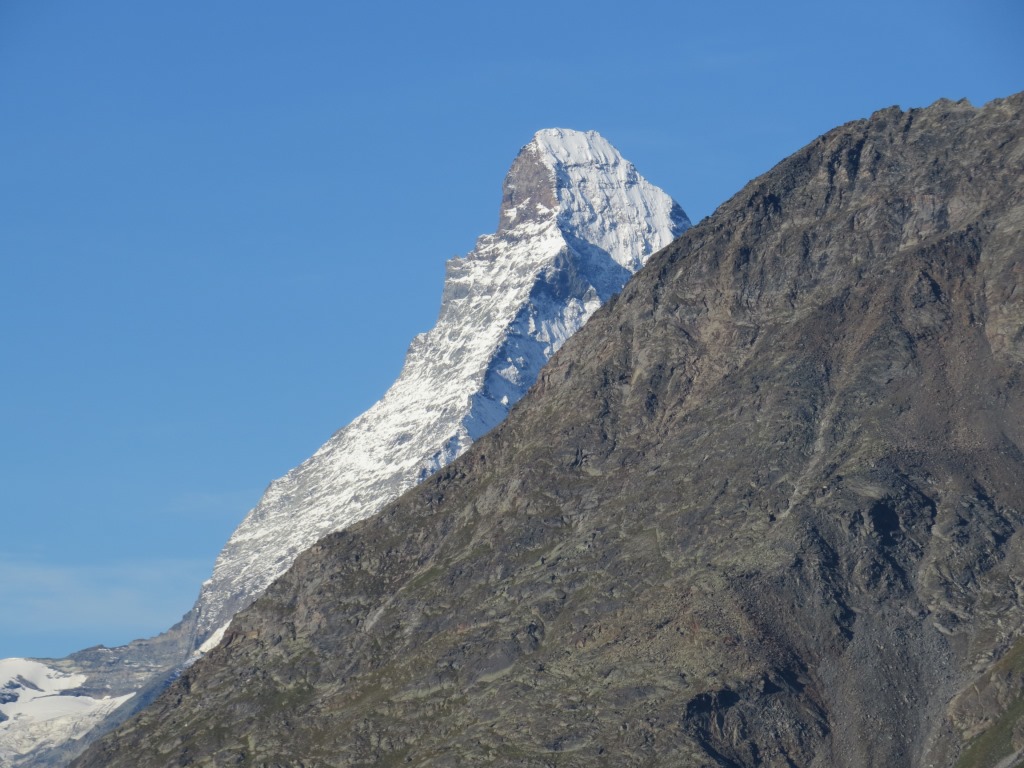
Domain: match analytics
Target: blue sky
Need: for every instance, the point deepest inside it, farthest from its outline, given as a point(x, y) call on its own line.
point(222, 223)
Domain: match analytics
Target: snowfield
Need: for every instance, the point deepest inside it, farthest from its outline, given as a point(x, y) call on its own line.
point(42, 709)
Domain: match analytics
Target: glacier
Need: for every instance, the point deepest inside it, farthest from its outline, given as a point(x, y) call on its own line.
point(38, 713)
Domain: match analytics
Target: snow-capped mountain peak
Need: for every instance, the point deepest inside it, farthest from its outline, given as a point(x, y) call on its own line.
point(597, 195)
point(576, 220)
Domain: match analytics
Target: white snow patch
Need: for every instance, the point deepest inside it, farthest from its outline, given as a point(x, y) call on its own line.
point(42, 709)
point(212, 641)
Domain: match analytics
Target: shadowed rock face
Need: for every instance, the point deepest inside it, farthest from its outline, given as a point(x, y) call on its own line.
point(764, 509)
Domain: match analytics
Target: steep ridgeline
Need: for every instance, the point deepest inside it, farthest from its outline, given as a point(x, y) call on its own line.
point(576, 221)
point(766, 508)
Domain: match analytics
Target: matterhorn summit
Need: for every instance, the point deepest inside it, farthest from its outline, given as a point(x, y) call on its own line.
point(576, 220)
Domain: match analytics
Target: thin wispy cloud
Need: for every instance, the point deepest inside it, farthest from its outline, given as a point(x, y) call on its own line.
point(230, 506)
point(109, 604)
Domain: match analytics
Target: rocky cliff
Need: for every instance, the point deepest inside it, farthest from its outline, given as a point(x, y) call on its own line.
point(764, 509)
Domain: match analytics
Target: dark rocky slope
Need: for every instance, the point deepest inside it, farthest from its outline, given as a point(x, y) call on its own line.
point(765, 509)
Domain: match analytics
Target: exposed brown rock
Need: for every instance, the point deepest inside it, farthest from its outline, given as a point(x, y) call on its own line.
point(765, 509)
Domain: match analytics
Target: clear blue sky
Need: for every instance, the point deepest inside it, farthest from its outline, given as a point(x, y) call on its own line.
point(221, 223)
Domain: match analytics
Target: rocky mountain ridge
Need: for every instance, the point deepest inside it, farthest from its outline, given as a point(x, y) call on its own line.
point(764, 509)
point(576, 220)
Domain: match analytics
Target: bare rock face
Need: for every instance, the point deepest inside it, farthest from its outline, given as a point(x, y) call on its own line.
point(764, 509)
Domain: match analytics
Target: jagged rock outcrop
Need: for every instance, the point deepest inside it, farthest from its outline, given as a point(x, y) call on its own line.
point(765, 509)
point(576, 221)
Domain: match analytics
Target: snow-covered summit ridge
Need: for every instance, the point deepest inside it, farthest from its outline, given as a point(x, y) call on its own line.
point(599, 196)
point(576, 220)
